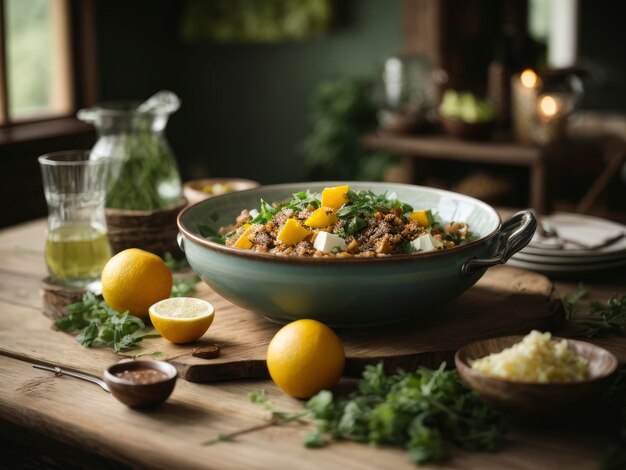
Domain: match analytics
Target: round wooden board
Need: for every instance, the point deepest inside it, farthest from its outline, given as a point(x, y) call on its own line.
point(505, 301)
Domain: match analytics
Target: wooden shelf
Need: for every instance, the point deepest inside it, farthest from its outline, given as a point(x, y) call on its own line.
point(444, 147)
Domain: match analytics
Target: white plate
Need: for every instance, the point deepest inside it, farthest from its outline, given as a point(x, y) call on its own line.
point(616, 248)
point(561, 268)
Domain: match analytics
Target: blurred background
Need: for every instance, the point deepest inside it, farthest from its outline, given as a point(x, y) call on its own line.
point(421, 91)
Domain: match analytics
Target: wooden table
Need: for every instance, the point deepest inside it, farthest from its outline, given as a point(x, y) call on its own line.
point(47, 419)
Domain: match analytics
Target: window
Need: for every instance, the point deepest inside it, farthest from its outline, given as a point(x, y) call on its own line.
point(36, 76)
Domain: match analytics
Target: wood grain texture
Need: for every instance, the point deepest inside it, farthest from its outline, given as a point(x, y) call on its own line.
point(85, 417)
point(505, 301)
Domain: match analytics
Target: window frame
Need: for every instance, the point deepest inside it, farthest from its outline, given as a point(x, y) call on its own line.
point(79, 22)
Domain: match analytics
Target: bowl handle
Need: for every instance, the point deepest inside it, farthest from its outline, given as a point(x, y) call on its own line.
point(514, 235)
point(181, 241)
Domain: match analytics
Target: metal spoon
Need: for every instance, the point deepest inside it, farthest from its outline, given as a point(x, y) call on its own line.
point(77, 375)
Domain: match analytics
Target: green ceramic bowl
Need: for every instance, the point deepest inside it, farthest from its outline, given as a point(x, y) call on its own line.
point(346, 292)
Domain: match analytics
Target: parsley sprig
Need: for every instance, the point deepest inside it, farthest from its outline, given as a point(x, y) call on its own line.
point(94, 323)
point(418, 410)
point(98, 324)
point(602, 317)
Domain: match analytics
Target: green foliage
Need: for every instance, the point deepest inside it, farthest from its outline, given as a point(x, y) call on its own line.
point(97, 324)
point(141, 163)
point(602, 317)
point(255, 21)
point(343, 110)
point(417, 410)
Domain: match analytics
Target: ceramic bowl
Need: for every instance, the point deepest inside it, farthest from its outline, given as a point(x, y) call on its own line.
point(141, 395)
point(194, 189)
point(345, 292)
point(535, 398)
point(467, 130)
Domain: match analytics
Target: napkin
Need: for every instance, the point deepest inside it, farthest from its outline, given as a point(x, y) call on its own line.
point(579, 231)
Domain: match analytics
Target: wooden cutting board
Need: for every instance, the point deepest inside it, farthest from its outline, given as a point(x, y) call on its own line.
point(505, 301)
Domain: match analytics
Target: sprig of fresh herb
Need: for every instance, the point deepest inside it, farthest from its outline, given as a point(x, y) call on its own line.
point(97, 324)
point(601, 317)
point(211, 234)
point(265, 214)
point(94, 323)
point(365, 204)
point(184, 287)
point(174, 264)
point(418, 410)
point(258, 397)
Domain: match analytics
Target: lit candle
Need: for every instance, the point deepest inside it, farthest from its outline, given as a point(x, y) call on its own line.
point(552, 122)
point(550, 107)
point(524, 89)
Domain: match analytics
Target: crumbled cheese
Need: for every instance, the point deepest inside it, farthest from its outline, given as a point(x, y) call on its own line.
point(253, 213)
point(326, 242)
point(535, 359)
point(426, 243)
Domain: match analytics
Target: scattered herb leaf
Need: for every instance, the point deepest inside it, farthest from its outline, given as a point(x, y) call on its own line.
point(174, 264)
point(184, 287)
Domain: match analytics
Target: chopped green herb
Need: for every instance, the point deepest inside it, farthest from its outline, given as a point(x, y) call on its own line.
point(184, 288)
point(174, 264)
point(365, 204)
point(601, 317)
point(97, 324)
point(416, 410)
point(211, 234)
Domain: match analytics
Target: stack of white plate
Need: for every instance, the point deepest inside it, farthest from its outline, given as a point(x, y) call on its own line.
point(582, 244)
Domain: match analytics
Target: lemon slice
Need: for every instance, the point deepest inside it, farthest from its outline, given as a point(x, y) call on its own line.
point(182, 319)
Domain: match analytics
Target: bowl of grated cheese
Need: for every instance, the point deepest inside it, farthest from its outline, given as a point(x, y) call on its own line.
point(535, 373)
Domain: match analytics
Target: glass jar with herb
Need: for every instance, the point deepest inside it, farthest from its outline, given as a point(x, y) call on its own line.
point(143, 173)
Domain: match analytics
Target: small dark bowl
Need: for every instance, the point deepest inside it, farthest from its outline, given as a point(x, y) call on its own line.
point(141, 395)
point(467, 131)
point(531, 397)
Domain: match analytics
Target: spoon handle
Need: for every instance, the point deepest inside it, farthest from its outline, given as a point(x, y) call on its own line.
point(77, 375)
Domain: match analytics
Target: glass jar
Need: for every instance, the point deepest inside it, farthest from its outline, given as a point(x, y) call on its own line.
point(408, 93)
point(143, 173)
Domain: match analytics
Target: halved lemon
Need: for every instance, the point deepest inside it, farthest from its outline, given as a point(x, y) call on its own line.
point(182, 319)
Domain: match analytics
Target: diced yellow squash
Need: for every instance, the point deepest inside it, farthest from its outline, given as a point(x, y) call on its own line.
point(335, 197)
point(292, 232)
point(423, 218)
point(244, 239)
point(321, 218)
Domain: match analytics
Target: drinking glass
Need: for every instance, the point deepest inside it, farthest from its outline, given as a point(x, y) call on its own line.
point(77, 245)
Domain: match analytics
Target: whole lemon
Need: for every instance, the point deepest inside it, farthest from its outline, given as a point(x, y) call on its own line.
point(133, 280)
point(305, 357)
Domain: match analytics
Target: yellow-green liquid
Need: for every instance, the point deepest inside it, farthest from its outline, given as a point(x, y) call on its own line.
point(77, 252)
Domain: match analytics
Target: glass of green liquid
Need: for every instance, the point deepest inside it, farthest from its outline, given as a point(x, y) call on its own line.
point(77, 245)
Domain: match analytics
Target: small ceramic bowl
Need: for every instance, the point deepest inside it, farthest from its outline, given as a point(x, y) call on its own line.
point(141, 395)
point(533, 398)
point(467, 131)
point(194, 190)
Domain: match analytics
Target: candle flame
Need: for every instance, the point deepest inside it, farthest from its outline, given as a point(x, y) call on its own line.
point(549, 107)
point(528, 78)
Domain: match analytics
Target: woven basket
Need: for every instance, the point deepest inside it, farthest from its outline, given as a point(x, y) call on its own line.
point(153, 231)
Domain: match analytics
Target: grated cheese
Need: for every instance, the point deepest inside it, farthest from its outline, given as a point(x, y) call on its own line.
point(535, 359)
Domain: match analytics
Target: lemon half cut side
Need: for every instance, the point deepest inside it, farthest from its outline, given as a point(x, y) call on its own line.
point(182, 319)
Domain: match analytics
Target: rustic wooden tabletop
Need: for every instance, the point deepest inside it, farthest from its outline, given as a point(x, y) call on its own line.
point(62, 421)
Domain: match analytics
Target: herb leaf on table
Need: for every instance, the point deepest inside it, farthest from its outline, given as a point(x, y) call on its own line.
point(601, 317)
point(94, 323)
point(419, 411)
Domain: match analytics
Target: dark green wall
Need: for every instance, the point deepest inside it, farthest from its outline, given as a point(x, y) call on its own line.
point(245, 106)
